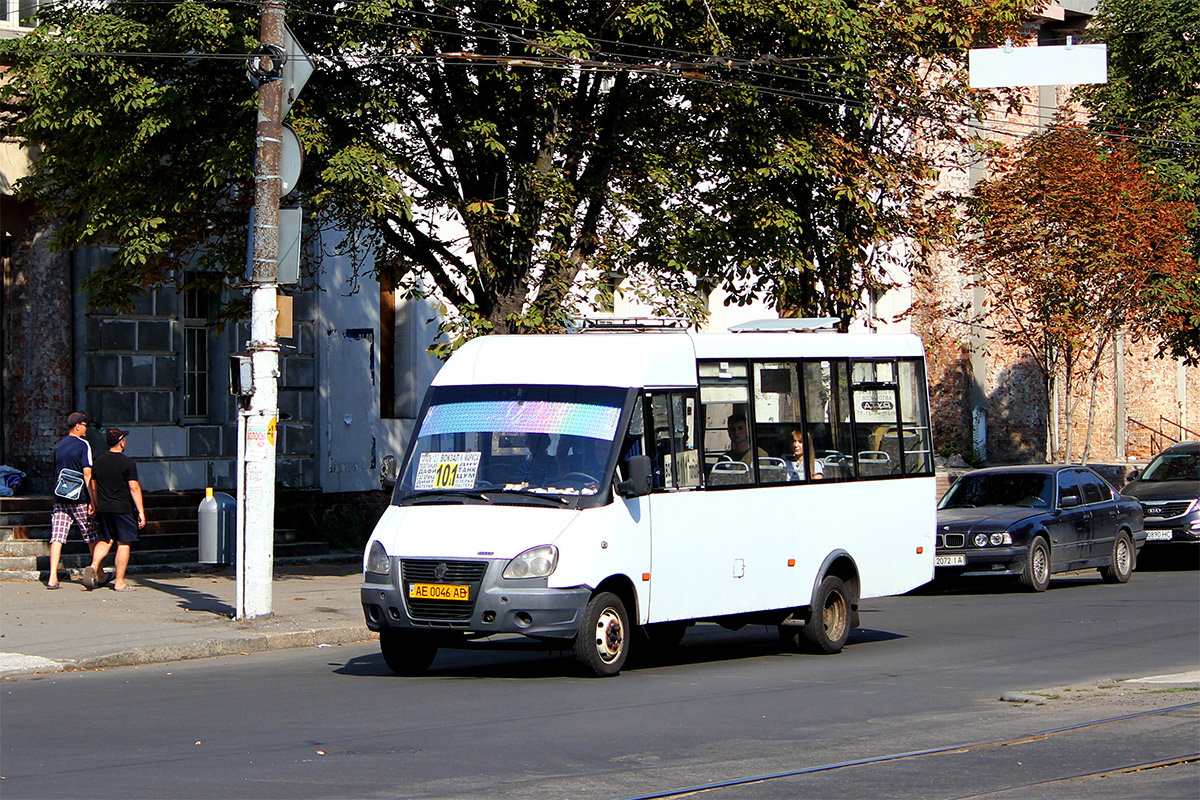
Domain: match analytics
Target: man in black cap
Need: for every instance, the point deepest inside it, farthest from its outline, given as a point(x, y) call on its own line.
point(119, 511)
point(74, 453)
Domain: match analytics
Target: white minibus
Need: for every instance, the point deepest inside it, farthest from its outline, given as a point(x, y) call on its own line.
point(604, 490)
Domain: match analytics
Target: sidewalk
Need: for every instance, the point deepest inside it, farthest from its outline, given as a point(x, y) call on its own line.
point(172, 618)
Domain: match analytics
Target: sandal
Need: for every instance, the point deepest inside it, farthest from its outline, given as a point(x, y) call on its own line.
point(89, 578)
point(103, 578)
point(53, 585)
point(125, 588)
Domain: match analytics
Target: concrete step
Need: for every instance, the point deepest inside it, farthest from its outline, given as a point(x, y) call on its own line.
point(153, 526)
point(29, 567)
point(147, 539)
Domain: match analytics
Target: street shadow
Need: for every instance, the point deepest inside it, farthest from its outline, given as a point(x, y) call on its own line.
point(524, 659)
point(1169, 557)
point(351, 565)
point(1000, 585)
point(189, 599)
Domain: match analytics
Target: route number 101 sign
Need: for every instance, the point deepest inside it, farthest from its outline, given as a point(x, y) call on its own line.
point(447, 470)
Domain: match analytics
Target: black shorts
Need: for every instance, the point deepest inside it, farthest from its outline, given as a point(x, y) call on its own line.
point(122, 527)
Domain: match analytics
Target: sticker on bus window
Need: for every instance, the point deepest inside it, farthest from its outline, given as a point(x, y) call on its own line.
point(447, 470)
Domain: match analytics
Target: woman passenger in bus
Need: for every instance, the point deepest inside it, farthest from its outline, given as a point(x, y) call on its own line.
point(798, 462)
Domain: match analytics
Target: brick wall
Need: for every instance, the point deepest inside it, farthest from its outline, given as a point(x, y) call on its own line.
point(38, 381)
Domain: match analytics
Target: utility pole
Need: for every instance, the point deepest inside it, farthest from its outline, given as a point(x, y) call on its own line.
point(256, 428)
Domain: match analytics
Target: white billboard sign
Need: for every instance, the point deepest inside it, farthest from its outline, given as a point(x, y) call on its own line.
point(1067, 65)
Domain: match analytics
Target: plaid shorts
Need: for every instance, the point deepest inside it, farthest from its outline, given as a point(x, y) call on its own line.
point(63, 514)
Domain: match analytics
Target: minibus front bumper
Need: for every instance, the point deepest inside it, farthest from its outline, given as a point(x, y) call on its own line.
point(494, 606)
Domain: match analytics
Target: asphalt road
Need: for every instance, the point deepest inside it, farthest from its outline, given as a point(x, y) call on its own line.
point(923, 674)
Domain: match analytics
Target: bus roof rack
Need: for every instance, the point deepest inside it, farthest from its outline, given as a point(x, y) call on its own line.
point(632, 324)
point(788, 325)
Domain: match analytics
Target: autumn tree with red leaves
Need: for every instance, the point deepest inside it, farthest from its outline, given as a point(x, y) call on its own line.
point(1074, 241)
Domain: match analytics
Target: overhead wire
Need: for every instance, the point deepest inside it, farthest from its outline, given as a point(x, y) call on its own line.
point(815, 90)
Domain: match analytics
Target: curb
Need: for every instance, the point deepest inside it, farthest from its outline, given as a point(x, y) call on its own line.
point(204, 648)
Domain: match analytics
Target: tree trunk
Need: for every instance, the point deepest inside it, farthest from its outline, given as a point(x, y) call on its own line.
point(1094, 377)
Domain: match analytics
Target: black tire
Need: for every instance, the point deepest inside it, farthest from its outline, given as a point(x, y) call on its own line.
point(1035, 577)
point(602, 645)
point(1124, 557)
point(407, 653)
point(828, 626)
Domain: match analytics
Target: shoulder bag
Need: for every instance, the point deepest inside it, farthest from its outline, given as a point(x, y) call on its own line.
point(69, 485)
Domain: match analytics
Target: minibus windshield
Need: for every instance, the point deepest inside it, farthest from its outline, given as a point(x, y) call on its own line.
point(551, 440)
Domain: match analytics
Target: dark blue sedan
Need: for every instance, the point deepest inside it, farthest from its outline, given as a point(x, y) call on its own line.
point(1031, 522)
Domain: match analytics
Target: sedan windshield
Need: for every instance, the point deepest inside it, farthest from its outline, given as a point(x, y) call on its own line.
point(1028, 489)
point(1174, 467)
point(552, 440)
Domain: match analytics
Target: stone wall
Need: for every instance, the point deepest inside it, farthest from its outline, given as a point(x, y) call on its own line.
point(38, 349)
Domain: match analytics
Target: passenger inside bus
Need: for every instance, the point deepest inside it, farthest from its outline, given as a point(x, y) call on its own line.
point(739, 440)
point(799, 464)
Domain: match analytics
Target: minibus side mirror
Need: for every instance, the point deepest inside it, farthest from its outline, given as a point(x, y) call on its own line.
point(637, 484)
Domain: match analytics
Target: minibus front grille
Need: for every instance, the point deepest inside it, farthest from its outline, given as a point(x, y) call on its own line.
point(440, 571)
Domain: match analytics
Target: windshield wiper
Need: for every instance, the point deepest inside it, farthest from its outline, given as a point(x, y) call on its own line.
point(548, 498)
point(437, 496)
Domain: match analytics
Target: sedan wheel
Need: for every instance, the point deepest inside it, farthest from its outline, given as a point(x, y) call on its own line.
point(1036, 575)
point(1123, 557)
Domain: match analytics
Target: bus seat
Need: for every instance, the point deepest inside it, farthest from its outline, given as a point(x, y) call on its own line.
point(729, 473)
point(874, 462)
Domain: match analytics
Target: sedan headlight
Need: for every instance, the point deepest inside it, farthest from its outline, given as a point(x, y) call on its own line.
point(536, 562)
point(994, 539)
point(981, 540)
point(1000, 538)
point(377, 559)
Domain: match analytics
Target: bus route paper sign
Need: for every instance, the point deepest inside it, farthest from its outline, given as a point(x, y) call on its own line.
point(447, 470)
point(260, 438)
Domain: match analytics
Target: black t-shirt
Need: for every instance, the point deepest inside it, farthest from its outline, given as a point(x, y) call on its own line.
point(112, 473)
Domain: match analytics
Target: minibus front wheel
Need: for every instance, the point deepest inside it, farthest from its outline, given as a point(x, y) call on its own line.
point(407, 653)
point(602, 644)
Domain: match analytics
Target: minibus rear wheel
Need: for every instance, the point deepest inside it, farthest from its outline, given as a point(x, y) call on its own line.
point(828, 625)
point(602, 644)
point(406, 652)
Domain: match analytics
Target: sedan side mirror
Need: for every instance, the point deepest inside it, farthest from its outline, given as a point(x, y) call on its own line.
point(1070, 501)
point(639, 469)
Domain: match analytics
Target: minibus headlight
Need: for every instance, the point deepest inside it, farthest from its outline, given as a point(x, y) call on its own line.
point(377, 559)
point(536, 562)
point(1001, 538)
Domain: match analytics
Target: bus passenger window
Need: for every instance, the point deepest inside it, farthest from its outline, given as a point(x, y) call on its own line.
point(877, 432)
point(676, 457)
point(827, 413)
point(914, 417)
point(728, 443)
point(776, 415)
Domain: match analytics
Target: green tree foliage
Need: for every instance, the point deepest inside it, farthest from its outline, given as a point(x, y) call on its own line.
point(146, 155)
point(1153, 96)
point(1071, 237)
point(515, 158)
